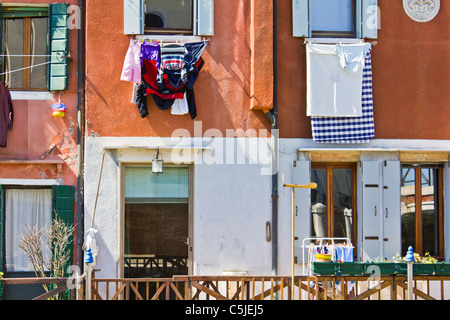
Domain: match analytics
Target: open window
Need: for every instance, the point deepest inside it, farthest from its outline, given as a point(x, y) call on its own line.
point(169, 17)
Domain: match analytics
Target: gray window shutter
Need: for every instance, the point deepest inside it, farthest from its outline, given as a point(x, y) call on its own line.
point(301, 175)
point(133, 17)
point(59, 47)
point(369, 19)
point(204, 25)
point(300, 18)
point(370, 210)
point(391, 209)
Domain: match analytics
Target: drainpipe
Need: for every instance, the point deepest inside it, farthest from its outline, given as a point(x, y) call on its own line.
point(272, 115)
point(81, 119)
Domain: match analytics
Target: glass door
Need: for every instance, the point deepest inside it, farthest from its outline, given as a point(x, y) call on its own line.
point(156, 235)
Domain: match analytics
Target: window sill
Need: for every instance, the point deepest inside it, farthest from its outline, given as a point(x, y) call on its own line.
point(169, 38)
point(334, 40)
point(31, 95)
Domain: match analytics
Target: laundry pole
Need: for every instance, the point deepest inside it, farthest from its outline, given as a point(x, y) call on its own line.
point(311, 185)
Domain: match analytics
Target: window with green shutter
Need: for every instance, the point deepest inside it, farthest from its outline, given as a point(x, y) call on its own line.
point(34, 46)
point(31, 206)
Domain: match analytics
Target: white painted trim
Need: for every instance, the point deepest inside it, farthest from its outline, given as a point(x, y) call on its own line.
point(30, 182)
point(381, 145)
point(31, 95)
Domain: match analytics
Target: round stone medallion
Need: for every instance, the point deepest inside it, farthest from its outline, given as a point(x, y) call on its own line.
point(421, 10)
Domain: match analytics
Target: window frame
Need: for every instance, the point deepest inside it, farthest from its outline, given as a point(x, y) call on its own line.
point(332, 33)
point(367, 19)
point(418, 245)
point(202, 20)
point(170, 31)
point(329, 167)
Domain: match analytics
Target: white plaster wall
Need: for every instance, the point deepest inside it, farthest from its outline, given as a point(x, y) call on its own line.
point(231, 197)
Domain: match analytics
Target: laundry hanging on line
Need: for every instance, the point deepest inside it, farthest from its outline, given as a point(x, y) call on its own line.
point(167, 72)
point(350, 130)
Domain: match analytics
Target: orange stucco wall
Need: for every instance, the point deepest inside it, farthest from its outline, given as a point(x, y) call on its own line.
point(35, 130)
point(411, 69)
point(410, 74)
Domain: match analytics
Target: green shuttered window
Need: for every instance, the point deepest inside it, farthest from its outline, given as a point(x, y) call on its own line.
point(62, 202)
point(34, 42)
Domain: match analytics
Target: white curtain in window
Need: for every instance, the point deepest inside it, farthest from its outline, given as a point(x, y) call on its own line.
point(24, 207)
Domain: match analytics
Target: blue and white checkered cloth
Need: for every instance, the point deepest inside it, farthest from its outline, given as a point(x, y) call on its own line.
point(349, 129)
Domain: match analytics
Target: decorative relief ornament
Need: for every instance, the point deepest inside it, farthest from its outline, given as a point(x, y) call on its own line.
point(421, 10)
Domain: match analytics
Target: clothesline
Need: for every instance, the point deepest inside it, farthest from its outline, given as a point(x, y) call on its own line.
point(25, 55)
point(20, 69)
point(161, 41)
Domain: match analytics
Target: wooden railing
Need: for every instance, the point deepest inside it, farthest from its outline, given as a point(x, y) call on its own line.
point(249, 288)
point(58, 286)
point(155, 266)
point(271, 288)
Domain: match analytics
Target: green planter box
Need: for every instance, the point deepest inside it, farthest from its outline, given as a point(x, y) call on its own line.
point(401, 268)
point(325, 268)
point(352, 268)
point(384, 268)
point(424, 269)
point(419, 269)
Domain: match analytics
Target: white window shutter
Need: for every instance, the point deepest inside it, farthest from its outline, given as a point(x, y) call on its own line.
point(133, 17)
point(371, 210)
point(302, 219)
point(204, 19)
point(391, 209)
point(300, 18)
point(370, 19)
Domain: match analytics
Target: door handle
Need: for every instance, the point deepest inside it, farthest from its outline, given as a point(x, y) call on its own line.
point(375, 211)
point(387, 213)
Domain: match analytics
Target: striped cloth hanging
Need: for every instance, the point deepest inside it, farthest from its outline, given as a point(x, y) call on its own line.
point(349, 129)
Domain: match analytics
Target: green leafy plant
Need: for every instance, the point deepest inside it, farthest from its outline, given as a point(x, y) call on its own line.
point(417, 258)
